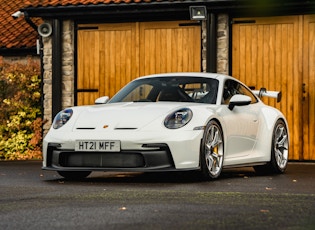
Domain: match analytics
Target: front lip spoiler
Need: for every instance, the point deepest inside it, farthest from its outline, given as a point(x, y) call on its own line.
point(148, 169)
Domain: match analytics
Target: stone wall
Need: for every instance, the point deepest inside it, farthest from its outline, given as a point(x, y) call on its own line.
point(67, 72)
point(19, 59)
point(68, 64)
point(47, 82)
point(204, 46)
point(223, 44)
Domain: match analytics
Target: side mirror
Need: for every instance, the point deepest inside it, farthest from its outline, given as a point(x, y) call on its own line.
point(101, 100)
point(239, 100)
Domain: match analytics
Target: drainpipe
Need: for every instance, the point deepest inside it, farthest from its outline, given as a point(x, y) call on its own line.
point(56, 67)
point(29, 21)
point(212, 44)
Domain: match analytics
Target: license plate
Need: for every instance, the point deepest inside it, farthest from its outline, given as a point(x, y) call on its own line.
point(97, 145)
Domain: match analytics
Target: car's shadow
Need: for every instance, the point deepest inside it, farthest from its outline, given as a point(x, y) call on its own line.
point(157, 177)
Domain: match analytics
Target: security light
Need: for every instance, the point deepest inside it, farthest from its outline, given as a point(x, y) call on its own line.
point(198, 13)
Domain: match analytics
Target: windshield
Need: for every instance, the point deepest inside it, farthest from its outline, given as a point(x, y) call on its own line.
point(178, 89)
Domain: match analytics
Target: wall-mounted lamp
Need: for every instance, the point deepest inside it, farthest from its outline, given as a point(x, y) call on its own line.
point(17, 14)
point(198, 13)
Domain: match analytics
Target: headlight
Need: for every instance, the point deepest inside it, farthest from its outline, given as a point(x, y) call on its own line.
point(178, 118)
point(62, 118)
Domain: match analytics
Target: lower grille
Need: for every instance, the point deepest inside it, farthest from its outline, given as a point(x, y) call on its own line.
point(158, 159)
point(102, 160)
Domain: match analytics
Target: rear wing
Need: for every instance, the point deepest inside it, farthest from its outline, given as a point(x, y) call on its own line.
point(264, 93)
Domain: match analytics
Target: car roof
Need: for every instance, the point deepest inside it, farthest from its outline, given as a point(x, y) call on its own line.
point(220, 77)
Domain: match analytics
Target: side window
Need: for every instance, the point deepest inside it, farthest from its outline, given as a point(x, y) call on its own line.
point(232, 88)
point(203, 92)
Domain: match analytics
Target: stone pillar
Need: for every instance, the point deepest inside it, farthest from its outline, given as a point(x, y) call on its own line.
point(47, 82)
point(223, 44)
point(67, 72)
point(204, 46)
point(68, 64)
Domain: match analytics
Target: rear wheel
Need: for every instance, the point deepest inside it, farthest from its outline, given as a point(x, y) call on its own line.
point(212, 149)
point(74, 175)
point(279, 150)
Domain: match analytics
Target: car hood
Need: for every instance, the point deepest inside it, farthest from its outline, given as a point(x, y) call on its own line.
point(130, 115)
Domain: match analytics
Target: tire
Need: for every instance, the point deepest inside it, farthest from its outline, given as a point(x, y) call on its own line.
point(212, 151)
point(279, 151)
point(74, 175)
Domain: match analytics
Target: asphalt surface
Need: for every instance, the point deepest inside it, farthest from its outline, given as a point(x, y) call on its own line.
point(34, 199)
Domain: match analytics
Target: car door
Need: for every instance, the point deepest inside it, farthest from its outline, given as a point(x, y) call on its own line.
point(241, 123)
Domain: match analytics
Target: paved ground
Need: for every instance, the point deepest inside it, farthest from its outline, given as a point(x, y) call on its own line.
point(34, 199)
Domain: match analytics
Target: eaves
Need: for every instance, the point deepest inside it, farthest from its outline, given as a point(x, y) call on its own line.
point(76, 11)
point(18, 51)
point(233, 7)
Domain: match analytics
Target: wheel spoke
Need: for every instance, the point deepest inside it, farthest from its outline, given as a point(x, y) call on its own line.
point(281, 143)
point(209, 161)
point(280, 147)
point(213, 151)
point(280, 156)
point(214, 139)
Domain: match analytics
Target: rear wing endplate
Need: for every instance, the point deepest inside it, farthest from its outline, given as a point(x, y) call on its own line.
point(264, 93)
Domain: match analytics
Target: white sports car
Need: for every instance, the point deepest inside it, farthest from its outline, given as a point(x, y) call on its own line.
point(170, 122)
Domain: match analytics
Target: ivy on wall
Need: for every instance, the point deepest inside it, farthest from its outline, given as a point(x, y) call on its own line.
point(20, 111)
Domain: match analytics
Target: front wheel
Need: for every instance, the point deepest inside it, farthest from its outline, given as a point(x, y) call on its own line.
point(279, 150)
point(212, 149)
point(74, 175)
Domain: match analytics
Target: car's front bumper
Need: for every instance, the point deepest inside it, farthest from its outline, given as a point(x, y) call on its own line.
point(151, 160)
point(139, 152)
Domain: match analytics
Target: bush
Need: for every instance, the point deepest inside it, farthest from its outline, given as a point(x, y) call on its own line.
point(20, 111)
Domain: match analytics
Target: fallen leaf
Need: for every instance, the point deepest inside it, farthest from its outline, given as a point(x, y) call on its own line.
point(264, 210)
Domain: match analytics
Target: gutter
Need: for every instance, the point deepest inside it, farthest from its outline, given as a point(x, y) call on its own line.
point(110, 10)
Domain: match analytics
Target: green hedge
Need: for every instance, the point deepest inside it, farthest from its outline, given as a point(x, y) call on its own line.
point(20, 111)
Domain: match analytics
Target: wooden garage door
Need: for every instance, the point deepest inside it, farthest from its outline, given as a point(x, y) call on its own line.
point(107, 59)
point(308, 87)
point(111, 55)
point(169, 47)
point(270, 53)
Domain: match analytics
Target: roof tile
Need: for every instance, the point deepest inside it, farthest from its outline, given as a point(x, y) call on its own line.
point(15, 33)
point(39, 3)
